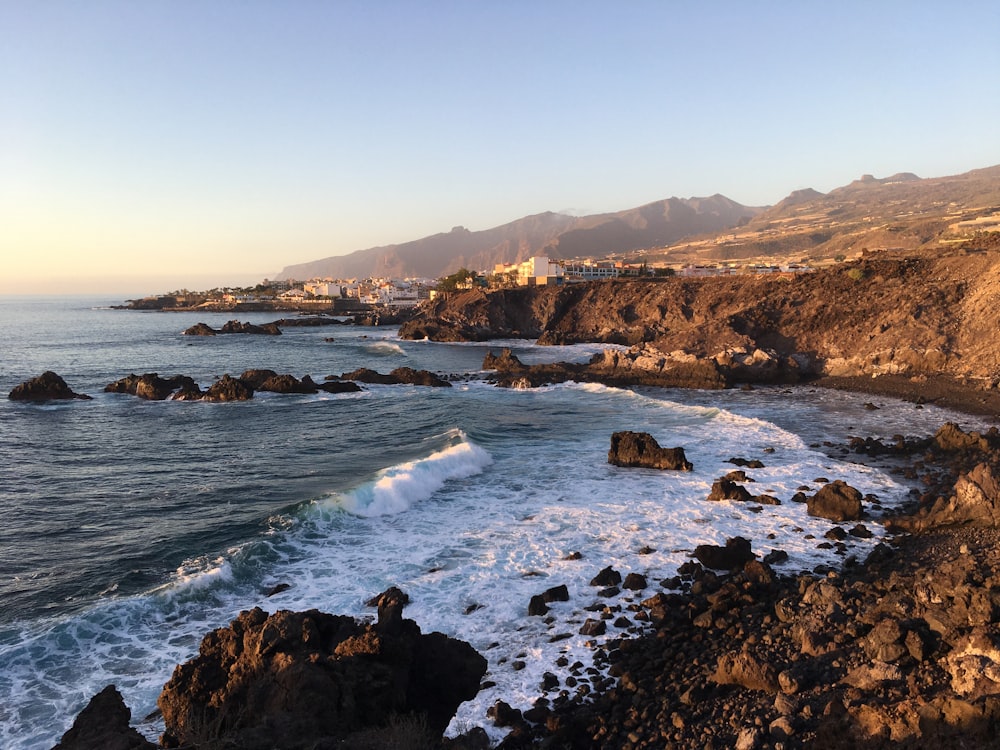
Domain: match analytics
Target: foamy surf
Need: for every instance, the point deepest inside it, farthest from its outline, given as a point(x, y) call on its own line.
point(399, 487)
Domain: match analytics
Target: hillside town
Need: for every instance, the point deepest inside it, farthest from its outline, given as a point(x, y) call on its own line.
point(350, 296)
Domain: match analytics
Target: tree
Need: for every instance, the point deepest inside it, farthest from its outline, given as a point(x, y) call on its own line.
point(461, 279)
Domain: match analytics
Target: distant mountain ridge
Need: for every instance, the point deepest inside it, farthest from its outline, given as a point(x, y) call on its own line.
point(901, 211)
point(556, 235)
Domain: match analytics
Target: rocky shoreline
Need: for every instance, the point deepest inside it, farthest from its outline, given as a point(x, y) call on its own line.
point(902, 649)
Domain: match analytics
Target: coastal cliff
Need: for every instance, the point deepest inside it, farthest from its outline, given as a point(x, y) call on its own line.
point(917, 316)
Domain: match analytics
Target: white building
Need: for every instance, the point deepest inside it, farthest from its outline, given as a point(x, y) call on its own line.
point(323, 289)
point(535, 271)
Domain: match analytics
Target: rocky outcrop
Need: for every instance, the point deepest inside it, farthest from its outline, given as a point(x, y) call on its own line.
point(228, 388)
point(152, 387)
point(976, 502)
point(233, 326)
point(399, 376)
point(922, 316)
point(309, 679)
point(640, 449)
point(269, 380)
point(46, 387)
point(104, 725)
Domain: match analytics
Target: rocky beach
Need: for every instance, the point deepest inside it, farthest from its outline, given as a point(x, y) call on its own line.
point(900, 647)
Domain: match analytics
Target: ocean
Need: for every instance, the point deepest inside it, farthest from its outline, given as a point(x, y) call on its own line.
point(132, 528)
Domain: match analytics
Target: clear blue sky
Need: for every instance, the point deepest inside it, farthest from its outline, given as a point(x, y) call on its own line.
point(149, 145)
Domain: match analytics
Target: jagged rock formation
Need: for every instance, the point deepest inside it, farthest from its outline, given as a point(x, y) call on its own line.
point(46, 387)
point(104, 725)
point(296, 679)
point(640, 449)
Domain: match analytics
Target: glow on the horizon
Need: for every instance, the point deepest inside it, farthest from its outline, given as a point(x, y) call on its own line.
point(155, 140)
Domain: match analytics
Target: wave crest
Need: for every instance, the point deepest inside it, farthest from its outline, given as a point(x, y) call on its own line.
point(400, 487)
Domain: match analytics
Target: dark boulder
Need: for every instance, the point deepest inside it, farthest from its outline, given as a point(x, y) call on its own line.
point(339, 386)
point(504, 362)
point(151, 386)
point(200, 329)
point(726, 489)
point(236, 326)
point(607, 577)
point(634, 582)
point(641, 449)
point(46, 387)
point(255, 378)
point(733, 556)
point(399, 376)
point(836, 501)
point(409, 376)
point(287, 384)
point(104, 725)
point(309, 679)
point(228, 388)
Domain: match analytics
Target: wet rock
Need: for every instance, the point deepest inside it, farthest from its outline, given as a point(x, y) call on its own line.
point(300, 679)
point(46, 387)
point(228, 388)
point(836, 501)
point(607, 577)
point(505, 362)
point(399, 376)
point(733, 556)
point(640, 449)
point(634, 582)
point(726, 489)
point(151, 386)
point(104, 725)
point(339, 386)
point(594, 627)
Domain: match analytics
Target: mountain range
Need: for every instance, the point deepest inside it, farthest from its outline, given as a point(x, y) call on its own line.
point(900, 211)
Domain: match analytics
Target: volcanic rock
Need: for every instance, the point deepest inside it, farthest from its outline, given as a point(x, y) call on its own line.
point(228, 388)
point(339, 386)
point(46, 387)
point(976, 502)
point(641, 449)
point(726, 489)
point(836, 501)
point(734, 555)
point(151, 386)
point(305, 679)
point(104, 725)
point(401, 375)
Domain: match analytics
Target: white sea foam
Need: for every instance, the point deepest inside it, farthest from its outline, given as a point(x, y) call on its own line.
point(398, 488)
point(384, 348)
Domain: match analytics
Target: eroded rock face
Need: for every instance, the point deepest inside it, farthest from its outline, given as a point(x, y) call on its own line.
point(976, 502)
point(640, 449)
point(295, 679)
point(399, 376)
point(46, 387)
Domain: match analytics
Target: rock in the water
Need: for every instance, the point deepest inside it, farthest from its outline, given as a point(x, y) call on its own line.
point(104, 725)
point(151, 386)
point(837, 501)
point(505, 362)
point(607, 577)
point(401, 375)
point(339, 386)
point(305, 679)
point(228, 388)
point(727, 489)
point(641, 449)
point(46, 387)
point(734, 555)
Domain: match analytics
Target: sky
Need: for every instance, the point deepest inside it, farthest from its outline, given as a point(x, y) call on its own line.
point(154, 145)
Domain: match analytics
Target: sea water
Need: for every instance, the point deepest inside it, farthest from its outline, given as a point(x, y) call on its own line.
point(132, 528)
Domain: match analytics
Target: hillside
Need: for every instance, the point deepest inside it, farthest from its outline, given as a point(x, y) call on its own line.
point(557, 235)
point(900, 212)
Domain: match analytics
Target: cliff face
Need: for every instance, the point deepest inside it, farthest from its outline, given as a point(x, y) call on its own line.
point(906, 315)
